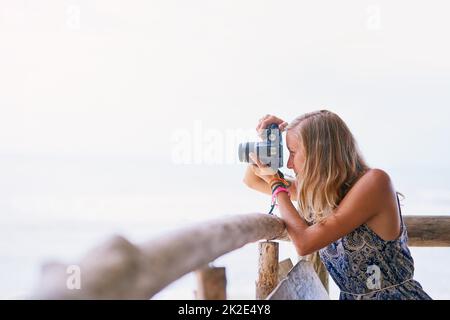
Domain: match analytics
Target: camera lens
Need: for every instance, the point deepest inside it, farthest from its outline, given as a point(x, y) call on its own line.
point(244, 151)
point(241, 152)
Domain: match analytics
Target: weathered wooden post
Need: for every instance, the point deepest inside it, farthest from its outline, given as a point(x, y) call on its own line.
point(211, 283)
point(267, 269)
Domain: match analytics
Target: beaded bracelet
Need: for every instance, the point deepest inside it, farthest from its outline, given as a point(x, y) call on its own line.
point(280, 180)
point(278, 185)
point(277, 191)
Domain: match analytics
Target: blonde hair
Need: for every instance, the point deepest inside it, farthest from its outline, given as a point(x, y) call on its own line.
point(333, 163)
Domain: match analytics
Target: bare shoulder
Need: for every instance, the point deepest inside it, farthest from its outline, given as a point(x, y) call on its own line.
point(386, 222)
point(375, 189)
point(377, 180)
point(370, 192)
point(378, 175)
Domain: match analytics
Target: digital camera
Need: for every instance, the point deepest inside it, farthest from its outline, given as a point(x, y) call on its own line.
point(269, 151)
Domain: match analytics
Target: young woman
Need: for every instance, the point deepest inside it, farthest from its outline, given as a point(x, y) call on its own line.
point(346, 210)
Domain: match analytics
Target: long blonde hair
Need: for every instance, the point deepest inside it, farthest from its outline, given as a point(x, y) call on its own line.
point(333, 163)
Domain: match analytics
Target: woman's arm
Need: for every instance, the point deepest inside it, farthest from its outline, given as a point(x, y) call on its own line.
point(253, 181)
point(363, 202)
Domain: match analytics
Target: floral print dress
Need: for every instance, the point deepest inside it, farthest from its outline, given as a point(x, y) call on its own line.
point(364, 266)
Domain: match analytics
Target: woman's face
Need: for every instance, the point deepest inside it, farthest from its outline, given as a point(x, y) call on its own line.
point(296, 159)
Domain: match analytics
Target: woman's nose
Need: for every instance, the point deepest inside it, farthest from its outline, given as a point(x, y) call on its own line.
point(289, 165)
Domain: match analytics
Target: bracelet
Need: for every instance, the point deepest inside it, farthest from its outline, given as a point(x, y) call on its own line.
point(280, 180)
point(281, 175)
point(277, 185)
point(277, 191)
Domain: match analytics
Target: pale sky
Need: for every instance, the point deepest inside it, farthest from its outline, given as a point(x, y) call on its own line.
point(106, 80)
point(101, 76)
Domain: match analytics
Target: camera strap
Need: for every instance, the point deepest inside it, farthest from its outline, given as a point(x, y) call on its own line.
point(271, 208)
point(273, 204)
point(280, 174)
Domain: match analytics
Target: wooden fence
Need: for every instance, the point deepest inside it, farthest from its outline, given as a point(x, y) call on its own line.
point(119, 269)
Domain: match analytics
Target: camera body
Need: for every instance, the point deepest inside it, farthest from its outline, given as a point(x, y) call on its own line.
point(269, 151)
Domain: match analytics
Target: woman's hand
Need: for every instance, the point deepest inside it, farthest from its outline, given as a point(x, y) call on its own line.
point(268, 119)
point(265, 172)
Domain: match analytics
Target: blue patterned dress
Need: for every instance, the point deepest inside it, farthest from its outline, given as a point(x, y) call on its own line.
point(364, 266)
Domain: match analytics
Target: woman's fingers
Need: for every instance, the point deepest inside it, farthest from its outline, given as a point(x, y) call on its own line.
point(261, 122)
point(258, 127)
point(255, 160)
point(268, 119)
point(265, 117)
point(272, 119)
point(261, 169)
point(283, 126)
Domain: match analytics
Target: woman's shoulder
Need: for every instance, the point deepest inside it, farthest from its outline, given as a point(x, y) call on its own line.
point(386, 222)
point(378, 180)
point(379, 175)
point(375, 189)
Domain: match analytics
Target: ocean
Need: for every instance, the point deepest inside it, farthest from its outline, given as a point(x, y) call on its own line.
point(61, 217)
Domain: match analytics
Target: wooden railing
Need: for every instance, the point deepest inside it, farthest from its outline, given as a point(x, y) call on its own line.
point(119, 269)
